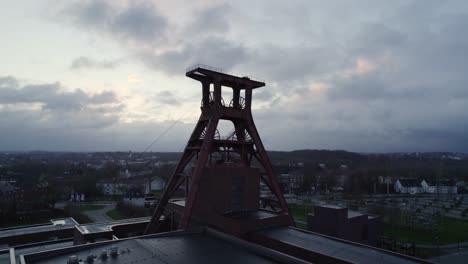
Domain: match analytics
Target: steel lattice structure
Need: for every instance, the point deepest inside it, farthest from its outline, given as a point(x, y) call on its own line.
point(241, 148)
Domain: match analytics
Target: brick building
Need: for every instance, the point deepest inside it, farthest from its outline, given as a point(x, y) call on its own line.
point(345, 224)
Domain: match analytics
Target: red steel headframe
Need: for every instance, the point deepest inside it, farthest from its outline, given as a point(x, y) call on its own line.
point(205, 140)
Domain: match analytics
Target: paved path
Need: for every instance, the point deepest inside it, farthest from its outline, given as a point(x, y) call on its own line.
point(139, 202)
point(100, 215)
point(300, 221)
point(447, 246)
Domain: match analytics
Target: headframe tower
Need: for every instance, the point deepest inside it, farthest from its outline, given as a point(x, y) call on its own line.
point(219, 178)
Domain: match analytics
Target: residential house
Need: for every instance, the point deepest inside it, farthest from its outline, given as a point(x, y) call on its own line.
point(156, 184)
point(292, 181)
point(442, 186)
point(411, 186)
point(132, 187)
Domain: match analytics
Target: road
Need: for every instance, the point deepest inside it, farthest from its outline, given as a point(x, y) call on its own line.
point(138, 202)
point(100, 215)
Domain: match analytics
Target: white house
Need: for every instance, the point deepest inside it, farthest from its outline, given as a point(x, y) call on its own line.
point(411, 186)
point(156, 184)
point(443, 186)
point(121, 187)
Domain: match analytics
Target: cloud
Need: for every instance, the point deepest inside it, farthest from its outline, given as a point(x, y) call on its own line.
point(394, 86)
point(212, 51)
point(140, 23)
point(211, 20)
point(85, 131)
point(90, 13)
point(134, 78)
point(88, 63)
point(50, 96)
point(167, 98)
point(366, 77)
point(147, 34)
point(297, 63)
point(49, 117)
point(132, 22)
point(8, 82)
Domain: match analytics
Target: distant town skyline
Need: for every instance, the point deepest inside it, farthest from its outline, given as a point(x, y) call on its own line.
point(362, 76)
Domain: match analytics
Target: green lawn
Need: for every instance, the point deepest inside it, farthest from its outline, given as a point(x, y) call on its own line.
point(157, 192)
point(76, 212)
point(114, 214)
point(82, 218)
point(450, 231)
point(107, 198)
point(301, 225)
point(300, 211)
point(90, 207)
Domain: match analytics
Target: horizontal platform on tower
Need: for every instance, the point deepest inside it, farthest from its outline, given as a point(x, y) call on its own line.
point(210, 74)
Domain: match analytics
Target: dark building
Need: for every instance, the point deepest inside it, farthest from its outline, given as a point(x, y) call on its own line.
point(342, 223)
point(8, 195)
point(56, 229)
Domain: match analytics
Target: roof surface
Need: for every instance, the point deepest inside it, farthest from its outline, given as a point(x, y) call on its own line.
point(182, 248)
point(351, 252)
point(107, 226)
point(410, 182)
point(56, 224)
point(40, 247)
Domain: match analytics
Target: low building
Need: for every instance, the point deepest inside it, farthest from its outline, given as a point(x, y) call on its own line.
point(292, 181)
point(443, 186)
point(8, 195)
point(156, 184)
point(411, 186)
point(56, 229)
point(342, 223)
point(136, 187)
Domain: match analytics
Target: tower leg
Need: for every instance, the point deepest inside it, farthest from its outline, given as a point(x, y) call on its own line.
point(175, 180)
point(265, 161)
point(198, 172)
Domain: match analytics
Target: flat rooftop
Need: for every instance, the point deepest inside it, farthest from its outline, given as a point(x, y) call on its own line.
point(107, 226)
point(344, 250)
point(261, 214)
point(200, 247)
point(55, 224)
point(32, 248)
point(41, 247)
point(352, 214)
point(332, 206)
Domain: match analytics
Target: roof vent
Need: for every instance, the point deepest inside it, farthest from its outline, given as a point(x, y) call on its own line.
point(73, 259)
point(104, 254)
point(90, 258)
point(114, 251)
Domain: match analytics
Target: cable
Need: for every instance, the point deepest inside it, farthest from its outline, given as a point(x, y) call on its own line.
point(165, 131)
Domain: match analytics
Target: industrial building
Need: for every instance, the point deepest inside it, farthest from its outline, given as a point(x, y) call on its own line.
point(340, 222)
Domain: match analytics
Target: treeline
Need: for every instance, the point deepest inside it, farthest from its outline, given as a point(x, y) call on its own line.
point(365, 173)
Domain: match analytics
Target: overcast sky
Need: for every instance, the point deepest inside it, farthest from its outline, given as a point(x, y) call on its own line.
point(367, 76)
